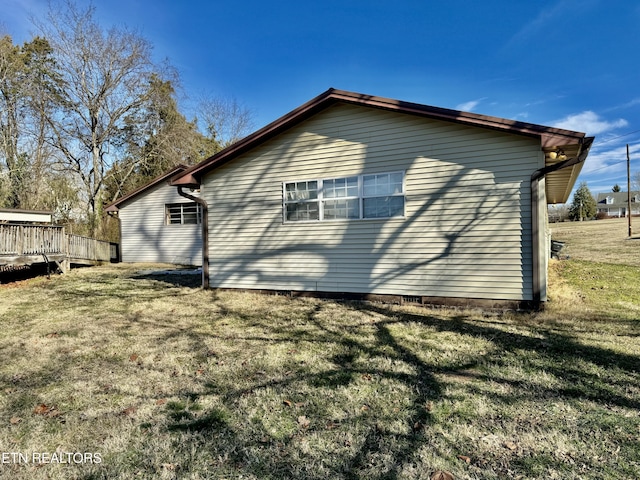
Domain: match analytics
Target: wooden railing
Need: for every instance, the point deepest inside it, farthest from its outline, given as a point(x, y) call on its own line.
point(88, 248)
point(25, 241)
point(31, 240)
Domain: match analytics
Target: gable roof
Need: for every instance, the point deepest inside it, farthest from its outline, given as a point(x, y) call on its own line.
point(618, 197)
point(165, 177)
point(552, 139)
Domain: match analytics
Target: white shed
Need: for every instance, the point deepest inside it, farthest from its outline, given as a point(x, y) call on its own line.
point(157, 225)
point(10, 215)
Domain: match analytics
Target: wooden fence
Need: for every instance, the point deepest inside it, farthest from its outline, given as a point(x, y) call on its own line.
point(27, 244)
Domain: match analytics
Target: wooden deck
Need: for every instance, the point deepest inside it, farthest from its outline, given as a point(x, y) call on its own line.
point(30, 244)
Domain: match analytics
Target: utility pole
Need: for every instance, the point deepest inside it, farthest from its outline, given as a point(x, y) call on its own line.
point(629, 190)
point(581, 210)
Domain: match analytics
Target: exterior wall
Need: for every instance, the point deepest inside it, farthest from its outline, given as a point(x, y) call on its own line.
point(467, 226)
point(146, 238)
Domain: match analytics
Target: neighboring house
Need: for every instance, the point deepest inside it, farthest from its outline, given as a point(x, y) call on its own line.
point(158, 225)
point(358, 196)
point(616, 204)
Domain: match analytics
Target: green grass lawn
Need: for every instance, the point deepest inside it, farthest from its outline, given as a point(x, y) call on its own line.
point(160, 380)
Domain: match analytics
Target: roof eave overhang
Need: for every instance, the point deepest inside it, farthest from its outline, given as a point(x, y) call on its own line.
point(165, 177)
point(189, 181)
point(549, 137)
point(561, 174)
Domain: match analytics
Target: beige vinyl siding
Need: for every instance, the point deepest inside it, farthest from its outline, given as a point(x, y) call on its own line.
point(146, 238)
point(467, 225)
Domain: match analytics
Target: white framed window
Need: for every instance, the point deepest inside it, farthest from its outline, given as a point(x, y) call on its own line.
point(183, 214)
point(609, 200)
point(301, 201)
point(357, 197)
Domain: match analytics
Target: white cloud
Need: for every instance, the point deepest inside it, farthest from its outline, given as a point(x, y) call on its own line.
point(589, 122)
point(469, 106)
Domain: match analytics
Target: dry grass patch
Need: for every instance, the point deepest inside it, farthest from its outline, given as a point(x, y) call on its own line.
point(603, 241)
point(164, 380)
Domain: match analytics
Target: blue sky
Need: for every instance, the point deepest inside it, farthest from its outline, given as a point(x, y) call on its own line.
point(566, 63)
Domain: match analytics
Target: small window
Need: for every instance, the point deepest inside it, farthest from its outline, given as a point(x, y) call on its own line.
point(301, 201)
point(183, 214)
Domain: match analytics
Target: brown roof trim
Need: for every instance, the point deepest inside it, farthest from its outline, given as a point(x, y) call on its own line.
point(115, 206)
point(22, 210)
point(550, 137)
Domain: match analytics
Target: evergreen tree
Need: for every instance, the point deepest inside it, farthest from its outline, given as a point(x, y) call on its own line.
point(583, 205)
point(616, 188)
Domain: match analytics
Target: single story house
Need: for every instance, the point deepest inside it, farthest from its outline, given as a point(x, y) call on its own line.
point(358, 196)
point(157, 225)
point(616, 204)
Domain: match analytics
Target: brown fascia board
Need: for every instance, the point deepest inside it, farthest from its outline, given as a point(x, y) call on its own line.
point(115, 206)
point(22, 210)
point(550, 137)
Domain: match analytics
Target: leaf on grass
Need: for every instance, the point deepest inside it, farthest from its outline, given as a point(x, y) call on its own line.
point(364, 408)
point(128, 411)
point(47, 410)
point(133, 357)
point(442, 475)
point(200, 371)
point(170, 466)
point(287, 403)
point(428, 406)
point(53, 335)
point(510, 445)
point(42, 409)
point(464, 458)
point(303, 421)
point(15, 420)
point(161, 401)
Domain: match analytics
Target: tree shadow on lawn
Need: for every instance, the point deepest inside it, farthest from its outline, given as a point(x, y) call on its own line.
point(363, 353)
point(178, 277)
point(369, 443)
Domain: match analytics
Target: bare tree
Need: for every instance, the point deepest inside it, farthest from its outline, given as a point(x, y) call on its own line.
point(103, 77)
point(225, 120)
